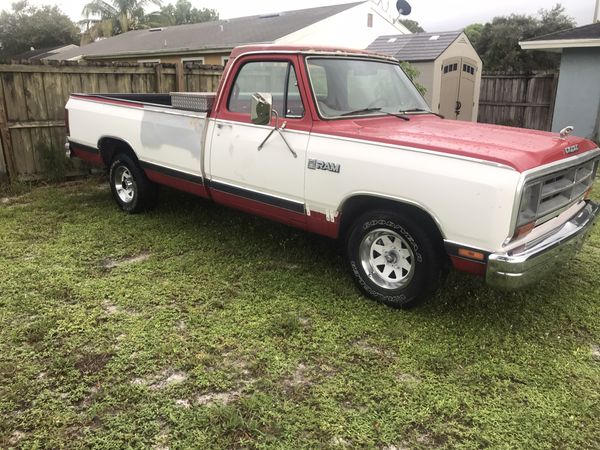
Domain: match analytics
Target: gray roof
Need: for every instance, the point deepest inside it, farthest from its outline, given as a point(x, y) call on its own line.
point(591, 31)
point(43, 53)
point(220, 34)
point(415, 47)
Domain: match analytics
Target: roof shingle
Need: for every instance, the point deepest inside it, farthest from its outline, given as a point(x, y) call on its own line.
point(224, 34)
point(591, 31)
point(415, 47)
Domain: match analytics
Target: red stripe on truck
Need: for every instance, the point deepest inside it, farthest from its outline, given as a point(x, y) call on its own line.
point(177, 183)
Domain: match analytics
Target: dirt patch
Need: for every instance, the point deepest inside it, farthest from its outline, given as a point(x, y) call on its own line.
point(338, 441)
point(298, 378)
point(16, 437)
point(183, 403)
point(162, 438)
point(223, 398)
point(596, 352)
point(407, 378)
point(396, 447)
point(370, 348)
point(110, 307)
point(161, 380)
point(91, 363)
point(113, 263)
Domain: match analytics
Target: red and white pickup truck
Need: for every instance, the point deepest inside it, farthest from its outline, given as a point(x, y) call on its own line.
point(341, 143)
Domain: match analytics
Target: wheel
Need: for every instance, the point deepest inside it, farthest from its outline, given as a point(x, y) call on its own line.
point(393, 258)
point(130, 187)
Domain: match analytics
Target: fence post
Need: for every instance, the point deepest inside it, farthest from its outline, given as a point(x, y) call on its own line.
point(553, 102)
point(158, 78)
point(5, 139)
point(179, 77)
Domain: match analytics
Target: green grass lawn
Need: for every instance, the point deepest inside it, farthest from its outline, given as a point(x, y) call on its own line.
point(198, 326)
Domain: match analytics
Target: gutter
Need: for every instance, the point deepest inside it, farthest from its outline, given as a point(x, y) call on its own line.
point(559, 44)
point(175, 52)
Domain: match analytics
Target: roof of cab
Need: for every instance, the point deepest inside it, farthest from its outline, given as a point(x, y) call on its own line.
point(304, 49)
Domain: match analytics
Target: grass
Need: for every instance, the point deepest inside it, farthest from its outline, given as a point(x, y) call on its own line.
point(195, 326)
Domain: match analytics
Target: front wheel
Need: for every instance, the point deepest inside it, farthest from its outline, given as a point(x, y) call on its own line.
point(393, 258)
point(130, 187)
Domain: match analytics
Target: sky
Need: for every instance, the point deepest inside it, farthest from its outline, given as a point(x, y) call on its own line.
point(433, 15)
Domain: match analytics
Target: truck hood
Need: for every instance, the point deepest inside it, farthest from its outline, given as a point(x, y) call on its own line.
point(519, 148)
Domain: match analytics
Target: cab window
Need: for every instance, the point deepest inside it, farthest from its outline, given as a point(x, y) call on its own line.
point(275, 77)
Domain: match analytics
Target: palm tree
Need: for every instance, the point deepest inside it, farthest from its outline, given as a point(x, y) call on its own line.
point(109, 18)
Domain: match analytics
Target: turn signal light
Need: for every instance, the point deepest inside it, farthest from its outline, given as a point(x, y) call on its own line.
point(466, 253)
point(587, 194)
point(523, 230)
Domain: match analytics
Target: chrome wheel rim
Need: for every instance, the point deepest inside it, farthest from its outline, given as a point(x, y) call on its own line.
point(124, 184)
point(387, 258)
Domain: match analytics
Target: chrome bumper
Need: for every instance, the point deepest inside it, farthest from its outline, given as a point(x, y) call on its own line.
point(524, 266)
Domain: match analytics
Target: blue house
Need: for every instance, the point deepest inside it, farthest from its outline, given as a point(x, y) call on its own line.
point(578, 95)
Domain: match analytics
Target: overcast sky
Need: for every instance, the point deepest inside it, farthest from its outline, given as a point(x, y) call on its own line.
point(434, 15)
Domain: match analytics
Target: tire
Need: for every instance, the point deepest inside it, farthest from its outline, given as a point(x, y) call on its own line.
point(394, 259)
point(129, 185)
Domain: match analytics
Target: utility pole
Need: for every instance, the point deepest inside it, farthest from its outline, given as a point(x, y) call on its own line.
point(597, 12)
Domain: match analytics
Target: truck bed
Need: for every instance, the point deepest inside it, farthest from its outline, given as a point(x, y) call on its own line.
point(166, 138)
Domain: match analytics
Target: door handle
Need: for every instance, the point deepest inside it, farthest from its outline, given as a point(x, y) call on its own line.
point(458, 107)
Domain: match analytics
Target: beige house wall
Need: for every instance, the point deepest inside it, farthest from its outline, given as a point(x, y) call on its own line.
point(209, 58)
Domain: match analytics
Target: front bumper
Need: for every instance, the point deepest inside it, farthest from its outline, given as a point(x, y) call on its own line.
point(524, 266)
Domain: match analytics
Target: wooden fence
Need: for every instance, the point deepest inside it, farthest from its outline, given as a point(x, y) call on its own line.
point(32, 100)
point(517, 99)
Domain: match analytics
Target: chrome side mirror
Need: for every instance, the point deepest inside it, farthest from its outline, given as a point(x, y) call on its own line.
point(262, 108)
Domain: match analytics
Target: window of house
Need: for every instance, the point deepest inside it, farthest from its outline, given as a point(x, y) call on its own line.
point(275, 78)
point(193, 59)
point(224, 60)
point(148, 61)
point(370, 20)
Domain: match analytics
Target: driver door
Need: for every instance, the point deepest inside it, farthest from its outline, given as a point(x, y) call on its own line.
point(269, 181)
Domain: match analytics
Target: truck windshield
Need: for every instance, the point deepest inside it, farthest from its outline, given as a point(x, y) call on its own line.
point(357, 87)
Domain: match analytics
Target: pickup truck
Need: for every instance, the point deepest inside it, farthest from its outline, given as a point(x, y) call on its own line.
point(339, 142)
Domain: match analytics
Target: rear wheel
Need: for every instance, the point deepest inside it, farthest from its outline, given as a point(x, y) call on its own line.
point(394, 259)
point(130, 187)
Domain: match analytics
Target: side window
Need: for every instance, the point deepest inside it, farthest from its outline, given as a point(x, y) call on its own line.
point(269, 77)
point(295, 108)
point(319, 80)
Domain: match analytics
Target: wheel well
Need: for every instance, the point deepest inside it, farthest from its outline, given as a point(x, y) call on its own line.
point(109, 147)
point(360, 204)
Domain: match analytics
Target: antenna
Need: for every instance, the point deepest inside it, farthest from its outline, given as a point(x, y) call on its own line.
point(404, 8)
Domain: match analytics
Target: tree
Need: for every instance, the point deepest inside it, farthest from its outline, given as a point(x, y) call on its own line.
point(182, 13)
point(498, 42)
point(29, 26)
point(104, 19)
point(412, 25)
point(473, 32)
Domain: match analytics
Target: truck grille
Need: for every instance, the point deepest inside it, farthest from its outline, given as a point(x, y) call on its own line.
point(546, 197)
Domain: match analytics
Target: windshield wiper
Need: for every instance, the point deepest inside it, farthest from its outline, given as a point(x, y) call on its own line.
point(368, 110)
point(421, 110)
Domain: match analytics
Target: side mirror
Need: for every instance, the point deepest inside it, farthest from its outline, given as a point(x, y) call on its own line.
point(262, 108)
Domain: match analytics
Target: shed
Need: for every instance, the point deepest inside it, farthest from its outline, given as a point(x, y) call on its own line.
point(578, 94)
point(450, 69)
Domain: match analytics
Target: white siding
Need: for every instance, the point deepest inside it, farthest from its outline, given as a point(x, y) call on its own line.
point(347, 29)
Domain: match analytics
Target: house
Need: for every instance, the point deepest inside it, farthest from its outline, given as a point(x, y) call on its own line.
point(450, 69)
point(346, 25)
point(578, 94)
point(42, 54)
